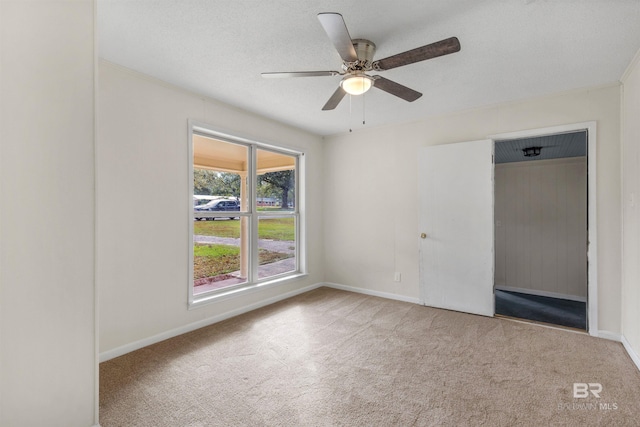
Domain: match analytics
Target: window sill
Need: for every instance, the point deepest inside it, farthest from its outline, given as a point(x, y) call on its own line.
point(203, 300)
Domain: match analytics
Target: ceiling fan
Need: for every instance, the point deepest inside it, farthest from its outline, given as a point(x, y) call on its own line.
point(357, 60)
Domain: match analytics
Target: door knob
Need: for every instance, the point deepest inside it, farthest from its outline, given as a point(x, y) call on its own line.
point(423, 235)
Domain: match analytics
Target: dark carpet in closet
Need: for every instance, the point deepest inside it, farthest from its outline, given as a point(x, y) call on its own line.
point(542, 309)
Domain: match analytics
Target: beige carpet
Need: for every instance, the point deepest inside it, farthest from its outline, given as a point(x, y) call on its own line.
point(333, 358)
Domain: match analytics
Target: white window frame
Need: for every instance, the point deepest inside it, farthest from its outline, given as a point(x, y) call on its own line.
point(253, 283)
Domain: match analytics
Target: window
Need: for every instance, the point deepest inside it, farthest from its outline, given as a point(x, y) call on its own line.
point(246, 218)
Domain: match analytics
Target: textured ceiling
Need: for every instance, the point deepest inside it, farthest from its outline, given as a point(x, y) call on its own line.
point(511, 50)
point(557, 146)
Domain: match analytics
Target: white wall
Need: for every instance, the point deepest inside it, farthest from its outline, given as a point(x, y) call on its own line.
point(47, 318)
point(541, 226)
point(143, 206)
point(631, 206)
point(371, 206)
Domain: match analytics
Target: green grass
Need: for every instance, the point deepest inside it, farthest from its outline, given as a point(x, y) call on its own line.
point(272, 209)
point(200, 250)
point(228, 228)
point(271, 228)
point(277, 229)
point(214, 260)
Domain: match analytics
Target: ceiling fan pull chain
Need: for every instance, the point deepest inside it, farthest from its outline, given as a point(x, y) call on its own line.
point(363, 117)
point(350, 114)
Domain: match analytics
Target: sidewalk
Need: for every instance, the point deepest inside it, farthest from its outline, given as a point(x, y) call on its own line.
point(265, 270)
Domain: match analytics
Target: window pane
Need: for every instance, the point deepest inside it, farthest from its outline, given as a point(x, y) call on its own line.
point(220, 233)
point(220, 257)
point(276, 189)
point(276, 246)
point(219, 176)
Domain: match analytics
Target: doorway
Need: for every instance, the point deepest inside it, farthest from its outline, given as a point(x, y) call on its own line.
point(541, 228)
point(456, 239)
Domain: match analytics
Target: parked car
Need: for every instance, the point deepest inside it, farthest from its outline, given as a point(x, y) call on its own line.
point(218, 205)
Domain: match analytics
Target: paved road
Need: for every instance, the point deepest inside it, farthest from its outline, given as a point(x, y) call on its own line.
point(282, 246)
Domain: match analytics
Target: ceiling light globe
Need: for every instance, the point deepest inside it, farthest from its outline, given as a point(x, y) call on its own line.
point(356, 85)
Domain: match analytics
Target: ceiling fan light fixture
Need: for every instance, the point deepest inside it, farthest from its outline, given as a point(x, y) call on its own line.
point(356, 84)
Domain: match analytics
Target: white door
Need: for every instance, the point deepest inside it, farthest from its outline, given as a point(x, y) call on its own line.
point(456, 222)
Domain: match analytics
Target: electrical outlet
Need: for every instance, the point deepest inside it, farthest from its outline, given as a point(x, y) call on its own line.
point(396, 277)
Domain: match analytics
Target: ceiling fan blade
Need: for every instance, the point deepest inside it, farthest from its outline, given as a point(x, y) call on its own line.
point(396, 89)
point(336, 29)
point(301, 74)
point(433, 50)
point(335, 99)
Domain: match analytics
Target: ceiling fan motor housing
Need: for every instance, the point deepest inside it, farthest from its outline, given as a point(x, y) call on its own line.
point(365, 49)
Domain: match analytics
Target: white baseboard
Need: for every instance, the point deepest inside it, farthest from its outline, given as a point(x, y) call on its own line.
point(136, 345)
point(631, 352)
point(613, 336)
point(541, 293)
point(387, 295)
point(119, 351)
